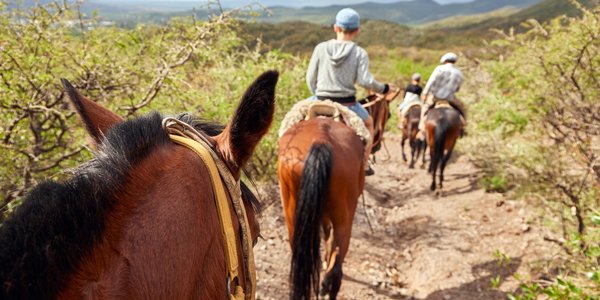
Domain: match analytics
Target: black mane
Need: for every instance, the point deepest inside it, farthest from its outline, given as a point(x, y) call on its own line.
point(58, 223)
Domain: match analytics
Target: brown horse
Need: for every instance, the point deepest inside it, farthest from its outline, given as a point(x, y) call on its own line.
point(443, 127)
point(321, 176)
point(139, 221)
point(378, 106)
point(410, 129)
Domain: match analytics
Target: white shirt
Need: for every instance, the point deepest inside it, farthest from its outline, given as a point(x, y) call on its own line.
point(444, 82)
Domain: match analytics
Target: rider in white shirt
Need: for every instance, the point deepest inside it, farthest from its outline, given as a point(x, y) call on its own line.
point(443, 84)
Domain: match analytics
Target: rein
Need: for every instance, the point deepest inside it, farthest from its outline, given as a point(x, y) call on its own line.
point(368, 102)
point(183, 134)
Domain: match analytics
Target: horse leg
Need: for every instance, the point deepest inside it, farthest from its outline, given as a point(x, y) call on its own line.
point(403, 142)
point(431, 158)
point(418, 143)
point(330, 256)
point(433, 166)
point(288, 201)
point(442, 167)
point(413, 146)
point(333, 277)
point(424, 147)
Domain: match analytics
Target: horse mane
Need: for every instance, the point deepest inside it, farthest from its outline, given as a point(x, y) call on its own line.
point(58, 224)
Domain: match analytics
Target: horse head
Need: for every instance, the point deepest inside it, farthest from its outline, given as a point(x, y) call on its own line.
point(143, 211)
point(378, 106)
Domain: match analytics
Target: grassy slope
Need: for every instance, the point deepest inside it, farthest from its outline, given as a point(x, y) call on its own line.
point(543, 11)
point(462, 20)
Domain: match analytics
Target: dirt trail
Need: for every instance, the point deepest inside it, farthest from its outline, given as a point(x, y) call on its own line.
point(423, 247)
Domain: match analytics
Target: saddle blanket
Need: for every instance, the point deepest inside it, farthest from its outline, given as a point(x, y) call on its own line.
point(302, 108)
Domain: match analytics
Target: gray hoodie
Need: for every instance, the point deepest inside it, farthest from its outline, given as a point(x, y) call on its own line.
point(335, 66)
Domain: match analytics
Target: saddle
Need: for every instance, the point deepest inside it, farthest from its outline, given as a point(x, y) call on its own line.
point(439, 103)
point(324, 110)
point(442, 104)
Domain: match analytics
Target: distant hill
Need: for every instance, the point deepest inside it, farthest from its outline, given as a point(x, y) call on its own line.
point(405, 12)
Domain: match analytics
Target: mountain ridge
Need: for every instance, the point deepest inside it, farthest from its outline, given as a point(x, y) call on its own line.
point(404, 12)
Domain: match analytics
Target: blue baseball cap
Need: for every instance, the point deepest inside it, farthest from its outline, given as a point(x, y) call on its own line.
point(347, 19)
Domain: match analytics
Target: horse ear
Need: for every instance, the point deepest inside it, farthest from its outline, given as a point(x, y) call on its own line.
point(250, 122)
point(97, 119)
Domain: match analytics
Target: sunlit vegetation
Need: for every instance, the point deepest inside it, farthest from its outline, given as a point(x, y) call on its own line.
point(534, 132)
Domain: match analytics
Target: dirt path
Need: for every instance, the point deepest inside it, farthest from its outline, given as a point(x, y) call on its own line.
point(423, 247)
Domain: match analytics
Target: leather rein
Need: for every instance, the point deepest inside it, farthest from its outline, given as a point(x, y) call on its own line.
point(223, 183)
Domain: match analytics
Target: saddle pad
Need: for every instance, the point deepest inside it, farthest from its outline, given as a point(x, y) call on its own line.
point(411, 105)
point(300, 110)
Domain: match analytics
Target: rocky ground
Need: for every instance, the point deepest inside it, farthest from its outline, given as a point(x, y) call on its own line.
point(467, 244)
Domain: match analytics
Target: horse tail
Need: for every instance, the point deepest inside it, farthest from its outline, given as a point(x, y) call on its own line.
point(439, 139)
point(306, 259)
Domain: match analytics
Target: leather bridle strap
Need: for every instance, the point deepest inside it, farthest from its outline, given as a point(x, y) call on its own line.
point(185, 135)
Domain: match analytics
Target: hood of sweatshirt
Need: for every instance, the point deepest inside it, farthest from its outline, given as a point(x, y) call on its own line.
point(338, 51)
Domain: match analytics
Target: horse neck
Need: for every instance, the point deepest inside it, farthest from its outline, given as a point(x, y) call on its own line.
point(162, 239)
point(380, 117)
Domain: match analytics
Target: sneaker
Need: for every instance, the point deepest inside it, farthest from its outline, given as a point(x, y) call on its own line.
point(369, 171)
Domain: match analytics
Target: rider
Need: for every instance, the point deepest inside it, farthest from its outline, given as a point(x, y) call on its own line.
point(412, 94)
point(336, 65)
point(443, 84)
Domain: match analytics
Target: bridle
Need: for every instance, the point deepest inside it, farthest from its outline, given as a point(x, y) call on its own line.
point(223, 183)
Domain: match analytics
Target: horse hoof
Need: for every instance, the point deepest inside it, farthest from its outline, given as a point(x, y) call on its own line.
point(438, 192)
point(325, 288)
point(412, 166)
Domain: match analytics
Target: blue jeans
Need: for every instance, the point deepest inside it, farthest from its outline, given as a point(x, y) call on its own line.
point(359, 110)
point(356, 108)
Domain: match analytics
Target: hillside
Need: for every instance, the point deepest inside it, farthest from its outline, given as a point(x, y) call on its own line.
point(454, 32)
point(462, 20)
point(301, 36)
point(473, 33)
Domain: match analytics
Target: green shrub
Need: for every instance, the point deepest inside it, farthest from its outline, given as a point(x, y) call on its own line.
point(532, 132)
point(187, 65)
